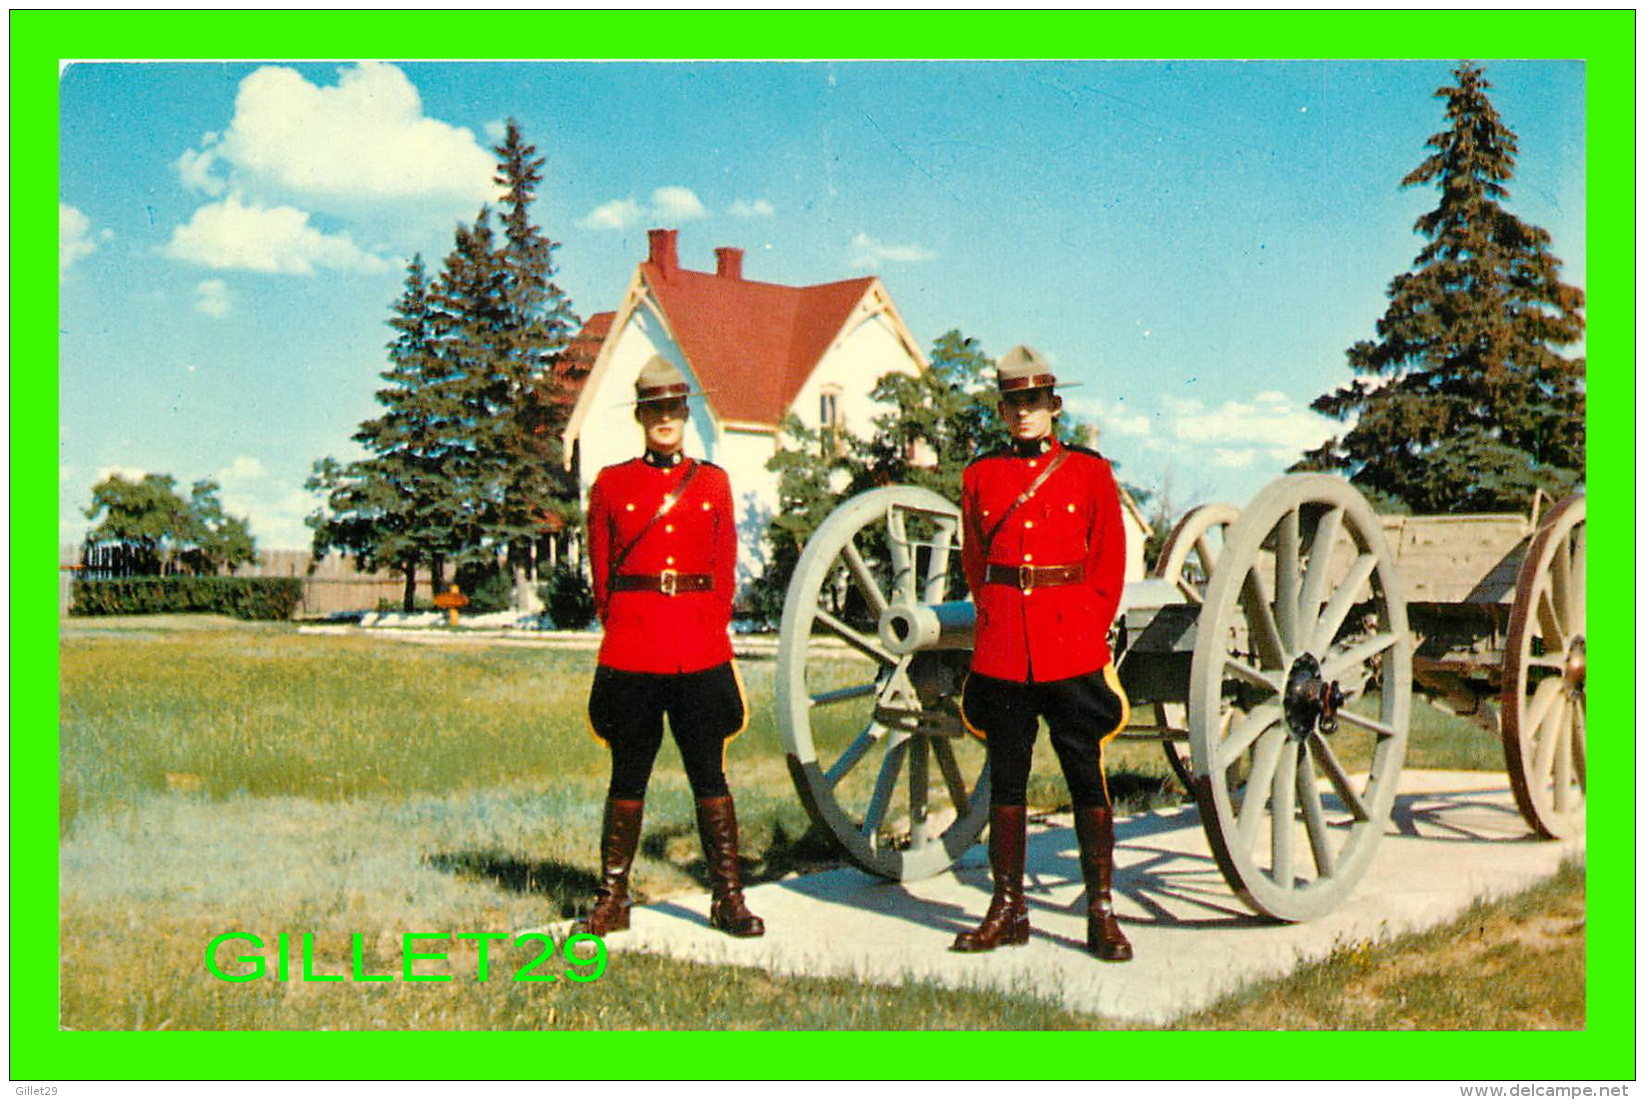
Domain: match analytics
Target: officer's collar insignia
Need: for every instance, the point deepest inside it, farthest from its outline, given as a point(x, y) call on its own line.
point(1029, 448)
point(662, 461)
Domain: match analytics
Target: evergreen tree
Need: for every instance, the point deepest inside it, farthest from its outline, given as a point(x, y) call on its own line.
point(1464, 404)
point(537, 324)
point(396, 507)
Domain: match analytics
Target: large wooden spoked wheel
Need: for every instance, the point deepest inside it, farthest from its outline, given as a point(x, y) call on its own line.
point(1187, 560)
point(1303, 637)
point(1545, 674)
point(878, 751)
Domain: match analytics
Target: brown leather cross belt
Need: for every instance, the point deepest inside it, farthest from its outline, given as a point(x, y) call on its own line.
point(668, 582)
point(1034, 576)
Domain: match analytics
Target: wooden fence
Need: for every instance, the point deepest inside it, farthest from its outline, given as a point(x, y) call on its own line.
point(330, 586)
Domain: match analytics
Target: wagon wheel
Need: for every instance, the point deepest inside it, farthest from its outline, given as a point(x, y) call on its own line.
point(1187, 560)
point(1302, 615)
point(878, 752)
point(1545, 672)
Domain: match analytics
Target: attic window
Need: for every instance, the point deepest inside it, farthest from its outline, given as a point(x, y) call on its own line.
point(828, 415)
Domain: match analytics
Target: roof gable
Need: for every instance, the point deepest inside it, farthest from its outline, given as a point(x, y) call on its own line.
point(752, 345)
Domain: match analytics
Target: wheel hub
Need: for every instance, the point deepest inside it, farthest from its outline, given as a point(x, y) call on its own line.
point(1309, 699)
point(1576, 665)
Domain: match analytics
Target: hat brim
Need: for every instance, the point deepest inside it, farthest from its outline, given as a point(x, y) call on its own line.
point(669, 397)
point(1049, 386)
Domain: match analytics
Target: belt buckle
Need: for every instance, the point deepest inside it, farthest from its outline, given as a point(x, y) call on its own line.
point(668, 581)
point(1025, 577)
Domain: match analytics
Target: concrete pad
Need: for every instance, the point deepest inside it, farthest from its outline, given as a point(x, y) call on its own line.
point(1453, 837)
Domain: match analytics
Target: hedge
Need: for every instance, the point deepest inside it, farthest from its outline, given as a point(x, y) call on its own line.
point(241, 597)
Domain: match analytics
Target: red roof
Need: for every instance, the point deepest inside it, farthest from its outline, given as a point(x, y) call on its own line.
point(572, 365)
point(751, 344)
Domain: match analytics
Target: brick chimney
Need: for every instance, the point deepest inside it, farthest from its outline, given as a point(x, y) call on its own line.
point(664, 250)
point(729, 263)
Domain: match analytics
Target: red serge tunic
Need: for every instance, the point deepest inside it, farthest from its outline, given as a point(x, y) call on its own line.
point(1055, 631)
point(651, 631)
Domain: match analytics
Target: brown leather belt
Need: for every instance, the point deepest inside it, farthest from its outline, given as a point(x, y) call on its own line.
point(668, 582)
point(1034, 576)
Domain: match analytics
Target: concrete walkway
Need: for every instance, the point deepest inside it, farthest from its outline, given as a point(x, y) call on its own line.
point(1455, 836)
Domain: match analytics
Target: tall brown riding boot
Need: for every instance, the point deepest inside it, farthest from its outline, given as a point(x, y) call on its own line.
point(619, 836)
point(1007, 918)
point(1094, 827)
point(717, 825)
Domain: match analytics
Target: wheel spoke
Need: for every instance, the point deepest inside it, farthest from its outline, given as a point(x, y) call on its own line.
point(1560, 585)
point(1287, 579)
point(1320, 549)
point(902, 562)
point(919, 783)
point(1536, 715)
point(860, 642)
point(841, 695)
point(1246, 731)
point(1342, 602)
point(1283, 822)
point(1579, 579)
point(936, 576)
point(1336, 665)
point(1192, 594)
point(1238, 669)
point(1579, 739)
point(853, 753)
point(1339, 778)
point(1364, 723)
point(1207, 558)
point(884, 786)
point(1259, 614)
point(1269, 747)
point(1313, 816)
point(1547, 613)
point(952, 777)
point(866, 584)
point(1562, 761)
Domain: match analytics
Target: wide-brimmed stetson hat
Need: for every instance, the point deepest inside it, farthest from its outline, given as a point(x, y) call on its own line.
point(1023, 368)
point(661, 380)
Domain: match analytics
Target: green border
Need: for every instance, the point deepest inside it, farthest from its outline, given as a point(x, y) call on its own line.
point(1605, 39)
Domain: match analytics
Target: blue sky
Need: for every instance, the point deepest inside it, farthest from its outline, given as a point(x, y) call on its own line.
point(1196, 242)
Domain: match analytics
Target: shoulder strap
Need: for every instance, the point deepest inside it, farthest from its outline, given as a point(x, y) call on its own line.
point(1024, 498)
point(667, 505)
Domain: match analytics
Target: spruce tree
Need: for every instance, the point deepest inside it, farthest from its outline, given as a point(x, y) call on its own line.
point(537, 324)
point(1464, 402)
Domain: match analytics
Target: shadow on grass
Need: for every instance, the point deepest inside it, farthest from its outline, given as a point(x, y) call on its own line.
point(567, 888)
point(763, 857)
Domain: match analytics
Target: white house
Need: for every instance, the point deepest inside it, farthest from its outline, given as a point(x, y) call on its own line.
point(761, 351)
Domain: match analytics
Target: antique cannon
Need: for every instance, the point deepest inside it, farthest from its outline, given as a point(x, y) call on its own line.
point(1273, 642)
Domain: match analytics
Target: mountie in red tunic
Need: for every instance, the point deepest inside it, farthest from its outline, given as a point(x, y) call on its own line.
point(1028, 632)
point(691, 551)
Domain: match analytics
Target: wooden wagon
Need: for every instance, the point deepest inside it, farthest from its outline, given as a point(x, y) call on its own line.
point(1279, 645)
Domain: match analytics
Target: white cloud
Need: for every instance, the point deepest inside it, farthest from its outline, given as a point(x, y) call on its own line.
point(364, 139)
point(244, 468)
point(126, 472)
point(759, 208)
point(616, 214)
point(669, 205)
point(1111, 417)
point(238, 235)
point(74, 238)
point(677, 204)
point(1270, 421)
point(211, 298)
point(869, 252)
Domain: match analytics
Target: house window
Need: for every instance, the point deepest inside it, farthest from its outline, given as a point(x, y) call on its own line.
point(829, 414)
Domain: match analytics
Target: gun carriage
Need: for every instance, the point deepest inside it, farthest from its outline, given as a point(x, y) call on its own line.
point(1273, 652)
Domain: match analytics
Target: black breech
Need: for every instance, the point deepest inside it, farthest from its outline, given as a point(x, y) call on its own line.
point(626, 709)
point(1082, 712)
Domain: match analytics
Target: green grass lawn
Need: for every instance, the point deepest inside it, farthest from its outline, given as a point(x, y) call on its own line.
point(220, 777)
